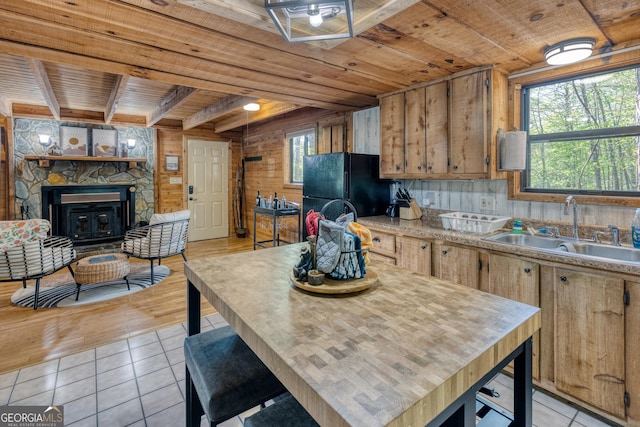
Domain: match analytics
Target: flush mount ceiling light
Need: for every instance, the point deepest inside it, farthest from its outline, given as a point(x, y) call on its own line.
point(252, 106)
point(569, 51)
point(310, 20)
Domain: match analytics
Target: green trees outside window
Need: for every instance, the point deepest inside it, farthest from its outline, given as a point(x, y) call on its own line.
point(301, 144)
point(584, 134)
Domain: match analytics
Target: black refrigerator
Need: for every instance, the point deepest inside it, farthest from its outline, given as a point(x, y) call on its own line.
point(348, 176)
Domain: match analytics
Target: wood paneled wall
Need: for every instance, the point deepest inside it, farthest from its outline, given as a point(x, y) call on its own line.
point(266, 141)
point(4, 168)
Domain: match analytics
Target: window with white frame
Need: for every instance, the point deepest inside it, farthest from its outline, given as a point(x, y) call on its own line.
point(301, 143)
point(584, 134)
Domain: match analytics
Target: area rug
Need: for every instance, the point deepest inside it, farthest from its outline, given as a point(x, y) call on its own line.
point(64, 294)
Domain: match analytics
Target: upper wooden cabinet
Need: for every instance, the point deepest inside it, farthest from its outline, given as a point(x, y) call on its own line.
point(444, 129)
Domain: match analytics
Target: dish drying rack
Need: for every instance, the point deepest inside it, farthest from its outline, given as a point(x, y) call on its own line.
point(473, 222)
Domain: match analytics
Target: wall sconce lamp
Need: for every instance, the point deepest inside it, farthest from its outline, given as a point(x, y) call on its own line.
point(302, 21)
point(131, 143)
point(252, 106)
point(45, 139)
point(569, 51)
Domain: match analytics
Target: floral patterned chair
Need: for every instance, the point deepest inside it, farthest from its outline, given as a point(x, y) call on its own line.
point(28, 252)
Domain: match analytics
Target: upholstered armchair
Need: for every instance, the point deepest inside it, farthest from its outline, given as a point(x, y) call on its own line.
point(165, 236)
point(28, 252)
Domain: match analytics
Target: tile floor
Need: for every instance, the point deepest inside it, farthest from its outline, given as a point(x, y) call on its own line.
point(140, 382)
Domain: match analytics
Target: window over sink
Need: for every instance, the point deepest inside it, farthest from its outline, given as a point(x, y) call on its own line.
point(584, 134)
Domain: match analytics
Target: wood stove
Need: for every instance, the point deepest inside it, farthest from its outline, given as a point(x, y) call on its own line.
point(89, 214)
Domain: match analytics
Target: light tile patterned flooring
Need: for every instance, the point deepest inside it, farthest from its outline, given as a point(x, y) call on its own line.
point(140, 382)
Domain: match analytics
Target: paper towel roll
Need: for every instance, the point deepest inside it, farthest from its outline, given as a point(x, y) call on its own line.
point(513, 151)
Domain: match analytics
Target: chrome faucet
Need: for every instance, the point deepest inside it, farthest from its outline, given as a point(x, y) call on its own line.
point(570, 200)
point(615, 233)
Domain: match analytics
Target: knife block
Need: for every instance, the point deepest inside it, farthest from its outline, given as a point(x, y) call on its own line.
point(412, 212)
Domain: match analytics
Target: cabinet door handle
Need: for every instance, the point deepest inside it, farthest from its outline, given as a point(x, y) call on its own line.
point(429, 167)
point(376, 239)
point(455, 167)
point(563, 278)
point(423, 247)
point(444, 252)
point(527, 270)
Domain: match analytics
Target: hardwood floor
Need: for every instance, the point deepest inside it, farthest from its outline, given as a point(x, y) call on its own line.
point(32, 336)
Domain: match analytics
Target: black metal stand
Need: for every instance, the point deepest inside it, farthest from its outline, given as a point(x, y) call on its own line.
point(274, 214)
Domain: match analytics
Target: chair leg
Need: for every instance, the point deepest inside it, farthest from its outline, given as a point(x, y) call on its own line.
point(78, 291)
point(127, 279)
point(73, 274)
point(35, 296)
point(24, 283)
point(152, 272)
point(194, 409)
point(183, 257)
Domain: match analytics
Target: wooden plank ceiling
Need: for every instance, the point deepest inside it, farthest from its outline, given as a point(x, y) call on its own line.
point(196, 62)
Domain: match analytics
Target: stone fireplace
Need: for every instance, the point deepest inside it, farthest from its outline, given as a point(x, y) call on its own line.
point(89, 214)
point(92, 216)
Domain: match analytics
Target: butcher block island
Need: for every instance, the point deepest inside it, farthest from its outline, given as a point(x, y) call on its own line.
point(412, 350)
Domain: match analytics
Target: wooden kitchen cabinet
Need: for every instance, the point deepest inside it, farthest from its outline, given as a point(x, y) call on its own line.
point(383, 247)
point(445, 129)
point(414, 132)
point(517, 279)
point(589, 346)
point(414, 254)
point(456, 264)
point(632, 350)
point(469, 130)
point(392, 136)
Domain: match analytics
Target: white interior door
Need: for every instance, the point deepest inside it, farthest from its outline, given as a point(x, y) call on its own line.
point(208, 189)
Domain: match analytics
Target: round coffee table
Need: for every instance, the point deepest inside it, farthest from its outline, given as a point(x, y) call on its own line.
point(101, 268)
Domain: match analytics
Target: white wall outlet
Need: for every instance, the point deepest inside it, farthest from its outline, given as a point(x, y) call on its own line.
point(429, 198)
point(488, 204)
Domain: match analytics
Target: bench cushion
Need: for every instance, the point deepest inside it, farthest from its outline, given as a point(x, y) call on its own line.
point(228, 377)
point(284, 412)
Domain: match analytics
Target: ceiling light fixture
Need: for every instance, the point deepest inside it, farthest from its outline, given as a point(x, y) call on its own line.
point(309, 20)
point(569, 51)
point(252, 106)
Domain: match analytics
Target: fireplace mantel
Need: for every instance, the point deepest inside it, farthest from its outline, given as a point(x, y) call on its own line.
point(44, 161)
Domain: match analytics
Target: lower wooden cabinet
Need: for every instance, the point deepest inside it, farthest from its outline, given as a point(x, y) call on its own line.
point(414, 254)
point(632, 349)
point(456, 264)
point(517, 279)
point(589, 346)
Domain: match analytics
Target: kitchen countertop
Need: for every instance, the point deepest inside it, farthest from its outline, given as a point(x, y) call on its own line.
point(430, 227)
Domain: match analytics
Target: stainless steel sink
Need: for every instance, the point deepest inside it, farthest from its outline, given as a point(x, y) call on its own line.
point(570, 247)
point(610, 252)
point(527, 240)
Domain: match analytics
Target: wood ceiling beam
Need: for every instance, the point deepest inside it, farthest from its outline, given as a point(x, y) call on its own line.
point(5, 106)
point(76, 60)
point(42, 78)
point(266, 111)
point(270, 69)
point(116, 93)
point(169, 103)
point(218, 109)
